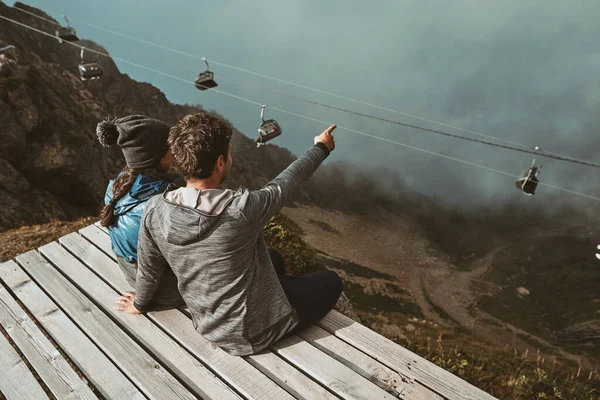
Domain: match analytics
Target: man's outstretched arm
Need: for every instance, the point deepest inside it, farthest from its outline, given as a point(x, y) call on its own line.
point(263, 204)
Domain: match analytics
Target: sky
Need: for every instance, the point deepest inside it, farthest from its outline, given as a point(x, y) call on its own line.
point(524, 72)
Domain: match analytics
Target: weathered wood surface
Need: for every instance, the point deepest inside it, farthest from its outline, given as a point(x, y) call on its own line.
point(236, 371)
point(400, 385)
point(147, 374)
point(276, 369)
point(287, 376)
point(294, 381)
point(400, 359)
point(391, 381)
point(46, 360)
point(16, 381)
point(203, 382)
point(331, 373)
point(98, 369)
point(149, 356)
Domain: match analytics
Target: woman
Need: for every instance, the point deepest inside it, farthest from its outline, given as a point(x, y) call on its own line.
point(143, 142)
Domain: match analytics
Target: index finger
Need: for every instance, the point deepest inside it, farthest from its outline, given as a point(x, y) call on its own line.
point(331, 128)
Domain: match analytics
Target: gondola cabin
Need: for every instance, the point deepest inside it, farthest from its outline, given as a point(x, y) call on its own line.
point(90, 71)
point(268, 130)
point(528, 179)
point(67, 34)
point(205, 79)
point(5, 62)
point(4, 67)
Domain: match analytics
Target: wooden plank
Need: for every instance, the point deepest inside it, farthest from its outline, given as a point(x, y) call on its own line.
point(203, 382)
point(103, 229)
point(50, 365)
point(372, 370)
point(97, 368)
point(148, 375)
point(400, 359)
point(391, 381)
point(180, 327)
point(330, 372)
point(16, 380)
point(356, 360)
point(287, 376)
point(99, 239)
point(236, 370)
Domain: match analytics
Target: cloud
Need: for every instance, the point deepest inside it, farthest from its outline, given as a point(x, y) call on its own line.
point(524, 72)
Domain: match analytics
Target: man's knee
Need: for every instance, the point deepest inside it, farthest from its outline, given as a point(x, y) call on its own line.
point(335, 285)
point(277, 260)
point(274, 254)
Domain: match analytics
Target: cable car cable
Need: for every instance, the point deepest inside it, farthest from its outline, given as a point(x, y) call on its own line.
point(539, 152)
point(297, 85)
point(303, 116)
point(534, 152)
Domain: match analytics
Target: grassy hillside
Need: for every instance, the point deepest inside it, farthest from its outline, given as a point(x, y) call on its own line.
point(499, 371)
point(563, 278)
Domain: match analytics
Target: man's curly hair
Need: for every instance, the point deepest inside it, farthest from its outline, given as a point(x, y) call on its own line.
point(196, 142)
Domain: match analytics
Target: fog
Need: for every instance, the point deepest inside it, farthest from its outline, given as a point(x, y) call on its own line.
point(524, 72)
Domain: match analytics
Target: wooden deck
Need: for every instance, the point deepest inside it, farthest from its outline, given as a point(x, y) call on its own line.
point(70, 286)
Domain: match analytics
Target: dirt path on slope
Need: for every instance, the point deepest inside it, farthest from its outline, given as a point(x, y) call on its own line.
point(454, 291)
point(393, 246)
point(397, 247)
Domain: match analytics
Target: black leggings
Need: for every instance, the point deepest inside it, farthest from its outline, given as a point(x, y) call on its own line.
point(312, 295)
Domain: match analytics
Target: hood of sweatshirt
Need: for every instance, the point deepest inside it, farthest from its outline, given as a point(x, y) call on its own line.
point(194, 212)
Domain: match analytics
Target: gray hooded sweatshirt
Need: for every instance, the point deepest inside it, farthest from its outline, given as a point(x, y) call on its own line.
point(212, 240)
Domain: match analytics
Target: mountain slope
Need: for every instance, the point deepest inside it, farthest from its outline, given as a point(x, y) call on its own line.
point(407, 259)
point(51, 164)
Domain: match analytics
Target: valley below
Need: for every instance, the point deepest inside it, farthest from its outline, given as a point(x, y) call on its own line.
point(558, 316)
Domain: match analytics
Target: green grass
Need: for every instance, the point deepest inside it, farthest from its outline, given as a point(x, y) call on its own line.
point(394, 288)
point(503, 373)
point(535, 343)
point(377, 302)
point(283, 234)
point(563, 280)
point(354, 269)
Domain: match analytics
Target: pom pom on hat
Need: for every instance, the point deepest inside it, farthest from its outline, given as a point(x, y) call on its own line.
point(142, 140)
point(107, 132)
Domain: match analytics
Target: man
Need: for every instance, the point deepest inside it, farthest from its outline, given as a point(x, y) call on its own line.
point(212, 239)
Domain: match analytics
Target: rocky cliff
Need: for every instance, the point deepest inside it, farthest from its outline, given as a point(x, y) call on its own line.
point(51, 164)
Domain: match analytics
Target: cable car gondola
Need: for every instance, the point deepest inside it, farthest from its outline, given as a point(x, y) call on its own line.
point(66, 33)
point(205, 79)
point(528, 180)
point(89, 71)
point(268, 130)
point(4, 62)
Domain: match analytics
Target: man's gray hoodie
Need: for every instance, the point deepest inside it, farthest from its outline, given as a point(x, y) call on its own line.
point(212, 240)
